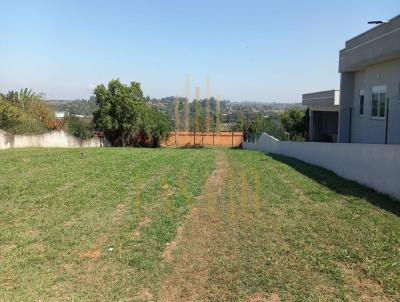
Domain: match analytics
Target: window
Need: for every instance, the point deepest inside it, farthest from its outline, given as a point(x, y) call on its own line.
point(361, 107)
point(378, 103)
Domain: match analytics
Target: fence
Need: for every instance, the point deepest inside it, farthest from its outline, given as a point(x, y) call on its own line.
point(374, 165)
point(55, 139)
point(206, 138)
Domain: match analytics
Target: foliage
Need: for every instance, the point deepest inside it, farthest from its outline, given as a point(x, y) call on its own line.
point(81, 127)
point(124, 117)
point(253, 128)
point(295, 122)
point(25, 112)
point(155, 128)
point(224, 114)
point(198, 124)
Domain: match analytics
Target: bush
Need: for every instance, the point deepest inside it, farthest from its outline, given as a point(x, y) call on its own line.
point(81, 127)
point(24, 112)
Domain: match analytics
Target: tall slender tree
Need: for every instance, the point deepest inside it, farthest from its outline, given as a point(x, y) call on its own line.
point(186, 124)
point(177, 114)
point(217, 115)
point(197, 112)
point(207, 105)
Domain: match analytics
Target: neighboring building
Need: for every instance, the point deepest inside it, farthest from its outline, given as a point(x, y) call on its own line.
point(370, 86)
point(324, 115)
point(59, 114)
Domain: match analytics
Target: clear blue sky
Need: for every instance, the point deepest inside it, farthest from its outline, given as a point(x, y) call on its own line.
point(252, 50)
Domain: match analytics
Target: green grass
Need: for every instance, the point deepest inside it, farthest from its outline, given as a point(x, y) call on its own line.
point(316, 237)
point(282, 228)
point(60, 213)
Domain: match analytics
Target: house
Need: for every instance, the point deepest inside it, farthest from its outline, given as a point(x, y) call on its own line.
point(324, 115)
point(370, 86)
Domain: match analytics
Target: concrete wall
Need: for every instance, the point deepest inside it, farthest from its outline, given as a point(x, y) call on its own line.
point(375, 166)
point(53, 139)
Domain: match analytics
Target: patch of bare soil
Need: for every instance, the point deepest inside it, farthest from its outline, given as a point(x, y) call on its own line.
point(142, 223)
point(187, 280)
point(145, 295)
point(367, 289)
point(171, 246)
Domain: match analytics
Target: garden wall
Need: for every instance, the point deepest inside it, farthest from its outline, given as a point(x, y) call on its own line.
point(59, 139)
point(206, 138)
point(374, 165)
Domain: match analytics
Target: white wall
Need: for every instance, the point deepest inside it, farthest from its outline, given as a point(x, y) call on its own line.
point(373, 165)
point(60, 139)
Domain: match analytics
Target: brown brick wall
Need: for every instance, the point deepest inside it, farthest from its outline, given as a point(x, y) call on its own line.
point(207, 138)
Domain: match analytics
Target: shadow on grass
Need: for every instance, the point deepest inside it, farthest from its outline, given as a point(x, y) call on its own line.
point(340, 185)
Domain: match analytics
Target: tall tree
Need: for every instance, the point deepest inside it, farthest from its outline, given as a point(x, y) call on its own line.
point(217, 115)
point(120, 111)
point(197, 112)
point(177, 114)
point(207, 105)
point(124, 117)
point(186, 124)
point(186, 106)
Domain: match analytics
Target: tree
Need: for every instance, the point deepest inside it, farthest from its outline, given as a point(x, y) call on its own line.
point(295, 123)
point(125, 118)
point(207, 115)
point(197, 124)
point(156, 126)
point(120, 112)
point(177, 114)
point(186, 107)
point(217, 115)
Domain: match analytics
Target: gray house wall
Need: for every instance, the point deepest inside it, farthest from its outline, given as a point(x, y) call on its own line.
point(370, 59)
point(365, 128)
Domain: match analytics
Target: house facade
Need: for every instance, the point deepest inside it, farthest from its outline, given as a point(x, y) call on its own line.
point(324, 115)
point(370, 86)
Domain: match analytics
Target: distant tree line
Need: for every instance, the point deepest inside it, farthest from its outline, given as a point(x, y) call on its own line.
point(127, 118)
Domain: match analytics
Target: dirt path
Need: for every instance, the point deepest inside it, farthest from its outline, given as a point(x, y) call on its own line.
point(188, 278)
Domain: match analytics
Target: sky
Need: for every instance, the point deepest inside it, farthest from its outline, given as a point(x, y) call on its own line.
point(262, 51)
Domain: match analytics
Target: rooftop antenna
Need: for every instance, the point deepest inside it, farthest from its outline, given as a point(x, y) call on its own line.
point(379, 22)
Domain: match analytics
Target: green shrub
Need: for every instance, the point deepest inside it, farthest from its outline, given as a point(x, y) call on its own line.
point(81, 127)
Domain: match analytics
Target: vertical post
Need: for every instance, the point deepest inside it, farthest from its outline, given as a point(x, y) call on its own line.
point(213, 138)
point(311, 126)
point(232, 139)
point(387, 121)
point(176, 142)
point(351, 112)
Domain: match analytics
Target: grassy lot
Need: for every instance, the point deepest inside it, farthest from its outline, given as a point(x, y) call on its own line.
point(60, 214)
point(301, 233)
point(262, 228)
